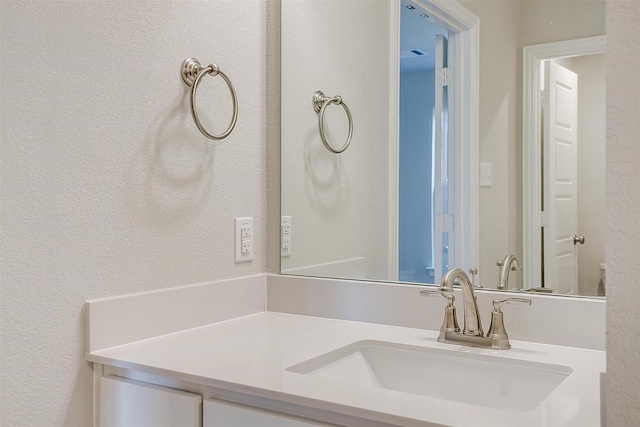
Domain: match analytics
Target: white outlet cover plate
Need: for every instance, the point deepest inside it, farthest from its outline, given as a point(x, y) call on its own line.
point(245, 223)
point(285, 236)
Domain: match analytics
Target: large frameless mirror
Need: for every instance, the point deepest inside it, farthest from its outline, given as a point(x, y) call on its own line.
point(429, 97)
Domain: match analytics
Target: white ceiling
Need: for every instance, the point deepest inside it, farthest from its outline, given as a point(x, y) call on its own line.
point(417, 33)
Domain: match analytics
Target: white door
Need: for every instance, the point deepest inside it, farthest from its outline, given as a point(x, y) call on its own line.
point(560, 203)
point(443, 163)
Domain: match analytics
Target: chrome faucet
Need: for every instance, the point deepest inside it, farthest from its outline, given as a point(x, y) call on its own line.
point(509, 263)
point(472, 323)
point(472, 334)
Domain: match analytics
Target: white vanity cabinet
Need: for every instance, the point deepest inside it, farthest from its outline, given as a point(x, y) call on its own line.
point(128, 403)
point(217, 413)
point(247, 372)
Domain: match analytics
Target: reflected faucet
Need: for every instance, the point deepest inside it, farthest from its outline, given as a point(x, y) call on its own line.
point(472, 324)
point(509, 263)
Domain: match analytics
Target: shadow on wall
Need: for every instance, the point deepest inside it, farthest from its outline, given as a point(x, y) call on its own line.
point(171, 176)
point(326, 181)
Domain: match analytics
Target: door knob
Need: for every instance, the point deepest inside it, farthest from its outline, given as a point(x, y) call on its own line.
point(578, 239)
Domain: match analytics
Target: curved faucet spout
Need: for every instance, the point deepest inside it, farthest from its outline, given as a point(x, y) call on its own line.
point(472, 324)
point(510, 262)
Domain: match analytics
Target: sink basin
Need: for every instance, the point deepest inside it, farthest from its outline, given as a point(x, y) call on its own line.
point(476, 379)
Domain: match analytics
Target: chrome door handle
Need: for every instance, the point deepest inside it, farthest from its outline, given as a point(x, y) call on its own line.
point(578, 239)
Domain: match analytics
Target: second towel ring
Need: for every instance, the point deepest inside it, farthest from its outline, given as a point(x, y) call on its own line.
point(320, 102)
point(192, 72)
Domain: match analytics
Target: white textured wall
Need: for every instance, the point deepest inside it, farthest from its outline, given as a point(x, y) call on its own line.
point(107, 186)
point(546, 21)
point(338, 202)
point(623, 208)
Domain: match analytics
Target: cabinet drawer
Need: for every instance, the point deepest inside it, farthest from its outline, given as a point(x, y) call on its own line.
point(127, 403)
point(217, 413)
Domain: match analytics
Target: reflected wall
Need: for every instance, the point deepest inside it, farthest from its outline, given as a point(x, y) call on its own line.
point(506, 27)
point(338, 203)
point(342, 206)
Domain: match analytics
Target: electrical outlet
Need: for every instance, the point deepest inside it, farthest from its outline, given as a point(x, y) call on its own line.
point(286, 225)
point(243, 239)
point(285, 236)
point(286, 243)
point(286, 229)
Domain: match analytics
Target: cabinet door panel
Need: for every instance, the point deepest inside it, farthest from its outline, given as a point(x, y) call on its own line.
point(217, 413)
point(128, 403)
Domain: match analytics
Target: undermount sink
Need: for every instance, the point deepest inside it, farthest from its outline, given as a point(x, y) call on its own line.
point(476, 379)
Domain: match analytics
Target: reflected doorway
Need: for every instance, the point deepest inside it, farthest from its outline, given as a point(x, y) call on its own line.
point(423, 149)
point(569, 261)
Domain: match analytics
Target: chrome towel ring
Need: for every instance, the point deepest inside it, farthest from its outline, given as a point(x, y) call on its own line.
point(320, 102)
point(192, 72)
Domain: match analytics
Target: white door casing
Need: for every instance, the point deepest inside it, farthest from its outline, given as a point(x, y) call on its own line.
point(463, 96)
point(560, 141)
point(443, 222)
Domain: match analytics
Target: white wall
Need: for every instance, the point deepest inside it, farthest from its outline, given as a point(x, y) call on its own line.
point(338, 202)
point(107, 186)
point(499, 138)
point(546, 21)
point(592, 156)
point(623, 207)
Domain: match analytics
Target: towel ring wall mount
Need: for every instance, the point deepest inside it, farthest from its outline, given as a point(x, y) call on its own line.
point(320, 103)
point(192, 73)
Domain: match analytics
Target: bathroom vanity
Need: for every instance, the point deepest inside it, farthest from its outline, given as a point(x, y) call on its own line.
point(257, 367)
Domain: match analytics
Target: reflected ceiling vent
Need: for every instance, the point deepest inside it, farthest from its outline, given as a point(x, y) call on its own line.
point(417, 10)
point(412, 53)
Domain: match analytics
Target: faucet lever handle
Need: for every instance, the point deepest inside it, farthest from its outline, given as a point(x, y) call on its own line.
point(518, 301)
point(433, 293)
point(497, 332)
point(450, 321)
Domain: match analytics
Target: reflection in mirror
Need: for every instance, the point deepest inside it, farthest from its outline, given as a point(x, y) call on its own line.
point(423, 144)
point(565, 166)
point(393, 205)
point(338, 203)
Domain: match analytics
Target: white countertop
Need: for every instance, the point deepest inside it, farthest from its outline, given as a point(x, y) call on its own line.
point(249, 355)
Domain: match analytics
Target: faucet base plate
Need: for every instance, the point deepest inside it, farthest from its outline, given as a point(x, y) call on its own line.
point(474, 341)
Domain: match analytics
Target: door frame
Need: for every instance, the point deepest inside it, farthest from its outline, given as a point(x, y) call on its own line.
point(464, 46)
point(532, 215)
